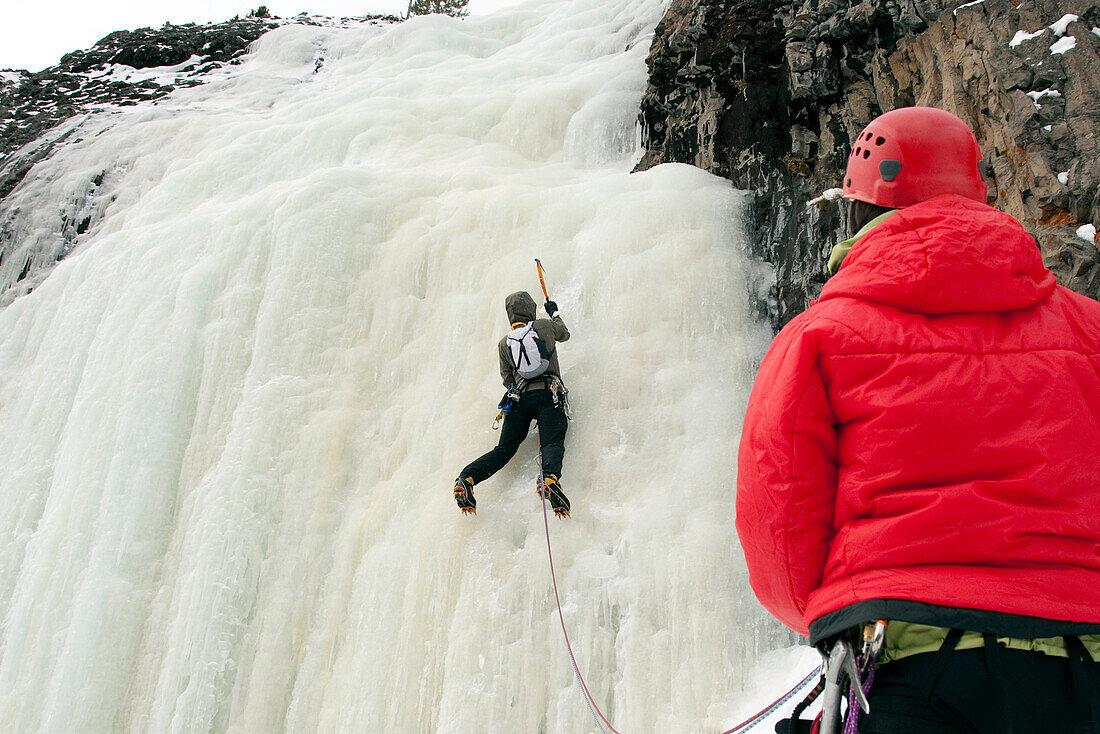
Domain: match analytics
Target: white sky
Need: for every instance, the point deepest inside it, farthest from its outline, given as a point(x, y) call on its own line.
point(36, 34)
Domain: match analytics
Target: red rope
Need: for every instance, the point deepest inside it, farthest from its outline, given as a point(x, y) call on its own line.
point(561, 618)
point(746, 724)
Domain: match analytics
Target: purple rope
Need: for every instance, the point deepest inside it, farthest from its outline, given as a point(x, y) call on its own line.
point(851, 726)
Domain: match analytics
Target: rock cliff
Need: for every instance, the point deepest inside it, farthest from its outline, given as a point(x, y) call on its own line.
point(769, 94)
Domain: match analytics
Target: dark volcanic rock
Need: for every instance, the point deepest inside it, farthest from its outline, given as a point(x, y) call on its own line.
point(769, 94)
point(170, 45)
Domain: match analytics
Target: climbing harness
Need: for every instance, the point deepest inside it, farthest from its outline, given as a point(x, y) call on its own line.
point(560, 395)
point(594, 709)
point(505, 406)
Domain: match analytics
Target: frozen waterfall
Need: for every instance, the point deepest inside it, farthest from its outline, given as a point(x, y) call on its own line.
point(232, 418)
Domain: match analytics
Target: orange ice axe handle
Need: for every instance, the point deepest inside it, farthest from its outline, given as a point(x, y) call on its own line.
point(543, 282)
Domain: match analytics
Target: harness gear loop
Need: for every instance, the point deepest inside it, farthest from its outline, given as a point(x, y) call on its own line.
point(560, 395)
point(509, 401)
point(874, 639)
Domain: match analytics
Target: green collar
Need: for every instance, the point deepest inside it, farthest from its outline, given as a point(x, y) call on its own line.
point(842, 248)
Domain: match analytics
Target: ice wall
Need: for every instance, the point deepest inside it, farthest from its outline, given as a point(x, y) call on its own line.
point(231, 421)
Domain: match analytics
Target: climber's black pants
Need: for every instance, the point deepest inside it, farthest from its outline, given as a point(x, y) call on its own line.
point(533, 405)
point(989, 690)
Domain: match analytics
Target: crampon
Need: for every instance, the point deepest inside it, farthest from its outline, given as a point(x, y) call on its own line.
point(464, 496)
point(550, 489)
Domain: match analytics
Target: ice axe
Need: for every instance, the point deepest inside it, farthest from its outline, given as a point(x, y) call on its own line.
point(543, 282)
point(551, 307)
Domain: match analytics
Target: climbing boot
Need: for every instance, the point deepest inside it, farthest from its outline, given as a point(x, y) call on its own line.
point(464, 495)
point(550, 488)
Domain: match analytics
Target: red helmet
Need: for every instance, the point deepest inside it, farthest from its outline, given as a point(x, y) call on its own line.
point(912, 154)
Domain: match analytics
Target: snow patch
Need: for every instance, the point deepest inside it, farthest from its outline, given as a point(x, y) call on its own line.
point(1063, 177)
point(967, 5)
point(1087, 232)
point(826, 196)
point(1062, 45)
point(1022, 36)
point(162, 75)
point(1059, 26)
point(1042, 94)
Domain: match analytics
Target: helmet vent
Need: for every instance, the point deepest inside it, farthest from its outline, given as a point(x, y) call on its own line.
point(880, 140)
point(866, 153)
point(889, 169)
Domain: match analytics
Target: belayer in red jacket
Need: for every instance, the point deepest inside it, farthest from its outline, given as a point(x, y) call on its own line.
point(922, 450)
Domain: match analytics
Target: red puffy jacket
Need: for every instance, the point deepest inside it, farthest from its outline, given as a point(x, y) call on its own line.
point(929, 430)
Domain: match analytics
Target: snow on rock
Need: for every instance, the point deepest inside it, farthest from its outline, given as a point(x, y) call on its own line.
point(826, 196)
point(1038, 95)
point(968, 5)
point(1022, 36)
point(1059, 26)
point(1063, 44)
point(1087, 232)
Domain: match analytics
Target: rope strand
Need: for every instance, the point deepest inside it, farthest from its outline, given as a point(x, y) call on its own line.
point(766, 712)
point(593, 708)
point(576, 669)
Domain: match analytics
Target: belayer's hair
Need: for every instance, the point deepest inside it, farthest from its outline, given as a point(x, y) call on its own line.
point(862, 212)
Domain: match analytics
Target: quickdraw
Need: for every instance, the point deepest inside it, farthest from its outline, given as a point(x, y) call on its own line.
point(853, 673)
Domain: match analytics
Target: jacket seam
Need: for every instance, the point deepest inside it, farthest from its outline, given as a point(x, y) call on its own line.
point(790, 481)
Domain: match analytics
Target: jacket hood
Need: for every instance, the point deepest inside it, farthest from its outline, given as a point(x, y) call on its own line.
point(948, 254)
point(520, 307)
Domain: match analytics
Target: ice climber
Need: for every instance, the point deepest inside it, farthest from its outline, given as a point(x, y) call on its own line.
point(540, 398)
point(920, 459)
